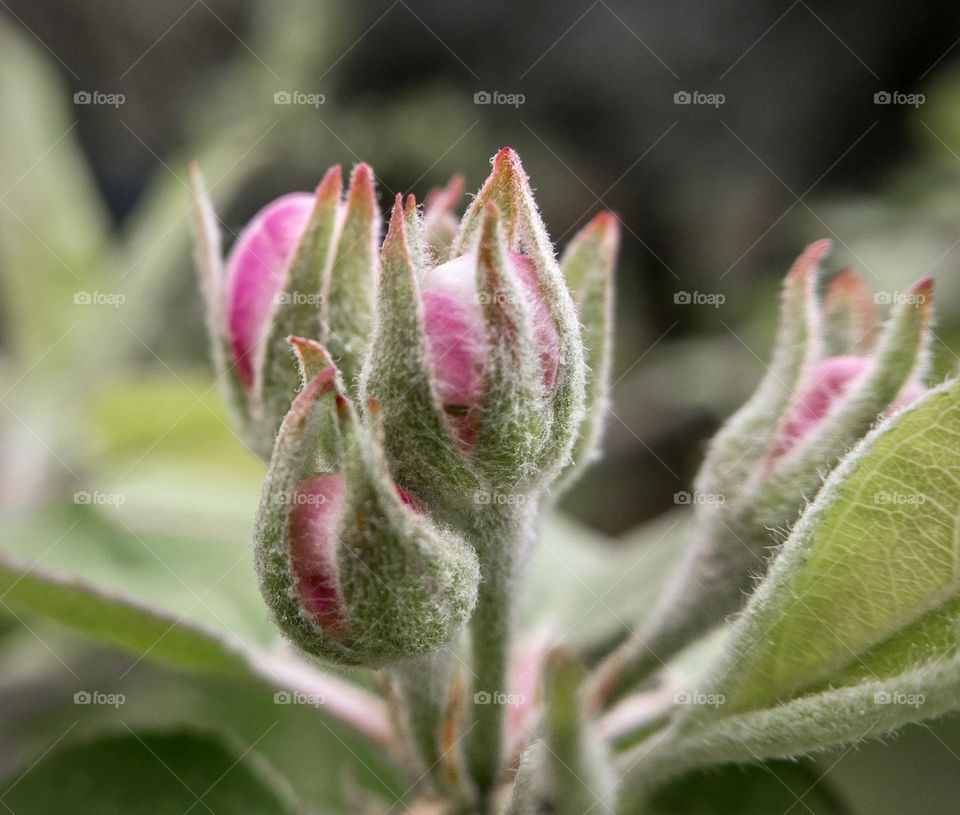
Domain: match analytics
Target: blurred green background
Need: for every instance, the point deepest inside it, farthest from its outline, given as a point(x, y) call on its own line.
point(117, 464)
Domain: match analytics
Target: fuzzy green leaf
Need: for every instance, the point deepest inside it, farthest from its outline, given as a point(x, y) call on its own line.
point(877, 552)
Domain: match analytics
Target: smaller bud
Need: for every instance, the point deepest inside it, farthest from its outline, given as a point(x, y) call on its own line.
point(771, 457)
point(350, 566)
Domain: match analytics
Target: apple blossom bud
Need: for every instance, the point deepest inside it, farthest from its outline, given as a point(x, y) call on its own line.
point(349, 565)
point(824, 387)
point(304, 265)
point(771, 457)
point(477, 361)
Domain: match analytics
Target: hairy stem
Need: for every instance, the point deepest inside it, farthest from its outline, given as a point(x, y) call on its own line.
point(502, 535)
point(423, 685)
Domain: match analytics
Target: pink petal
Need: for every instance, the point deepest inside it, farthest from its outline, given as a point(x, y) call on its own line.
point(457, 338)
point(456, 334)
point(255, 269)
point(314, 517)
point(827, 383)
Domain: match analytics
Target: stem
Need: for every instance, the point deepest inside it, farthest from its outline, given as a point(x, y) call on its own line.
point(502, 535)
point(424, 686)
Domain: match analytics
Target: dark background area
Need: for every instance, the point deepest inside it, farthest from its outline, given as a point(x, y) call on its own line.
point(714, 199)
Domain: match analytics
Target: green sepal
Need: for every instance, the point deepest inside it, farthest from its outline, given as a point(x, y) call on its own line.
point(514, 423)
point(424, 455)
point(208, 259)
point(588, 266)
point(410, 584)
point(348, 286)
point(509, 189)
point(850, 318)
point(296, 457)
point(743, 440)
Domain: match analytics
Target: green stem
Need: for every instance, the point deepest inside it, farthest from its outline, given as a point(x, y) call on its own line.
point(501, 535)
point(423, 685)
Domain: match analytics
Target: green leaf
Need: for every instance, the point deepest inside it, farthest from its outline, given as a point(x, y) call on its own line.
point(852, 633)
point(124, 623)
point(150, 773)
point(762, 789)
point(877, 552)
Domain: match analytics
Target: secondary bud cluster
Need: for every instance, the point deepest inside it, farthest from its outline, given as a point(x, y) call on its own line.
point(834, 374)
point(448, 362)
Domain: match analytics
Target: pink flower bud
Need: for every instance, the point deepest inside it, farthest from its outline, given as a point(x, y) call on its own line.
point(457, 334)
point(826, 384)
point(255, 273)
